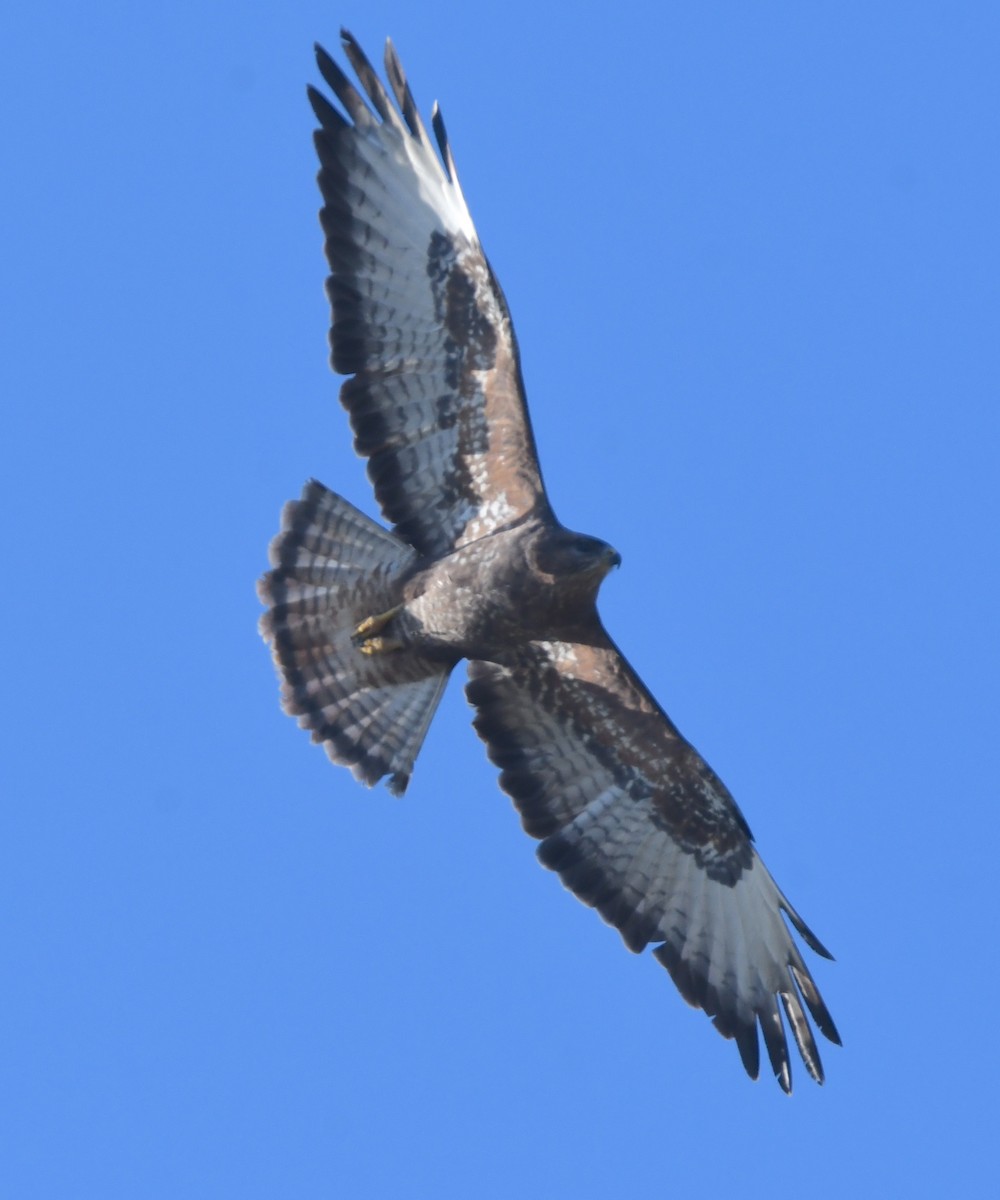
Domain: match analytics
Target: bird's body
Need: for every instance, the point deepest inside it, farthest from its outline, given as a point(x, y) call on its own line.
point(512, 586)
point(366, 624)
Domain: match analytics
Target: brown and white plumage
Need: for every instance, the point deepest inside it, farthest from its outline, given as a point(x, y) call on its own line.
point(436, 402)
point(641, 828)
point(366, 624)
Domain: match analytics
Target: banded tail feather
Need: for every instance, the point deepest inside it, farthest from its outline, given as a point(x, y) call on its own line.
point(332, 567)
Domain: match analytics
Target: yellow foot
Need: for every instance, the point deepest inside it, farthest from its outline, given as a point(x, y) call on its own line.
point(367, 635)
point(379, 645)
point(375, 624)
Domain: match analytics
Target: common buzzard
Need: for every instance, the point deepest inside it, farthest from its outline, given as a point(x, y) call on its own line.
point(366, 624)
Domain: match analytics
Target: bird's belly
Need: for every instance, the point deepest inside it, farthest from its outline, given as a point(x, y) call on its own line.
point(470, 611)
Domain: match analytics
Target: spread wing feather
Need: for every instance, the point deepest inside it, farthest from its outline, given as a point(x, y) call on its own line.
point(639, 827)
point(436, 401)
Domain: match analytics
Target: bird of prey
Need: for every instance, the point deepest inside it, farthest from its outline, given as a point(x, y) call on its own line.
point(366, 623)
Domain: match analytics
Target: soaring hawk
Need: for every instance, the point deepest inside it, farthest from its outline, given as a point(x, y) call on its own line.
point(366, 623)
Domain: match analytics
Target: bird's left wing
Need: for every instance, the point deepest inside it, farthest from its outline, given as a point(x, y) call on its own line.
point(436, 400)
point(639, 827)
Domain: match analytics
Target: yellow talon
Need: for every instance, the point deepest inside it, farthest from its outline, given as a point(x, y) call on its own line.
point(376, 623)
point(380, 645)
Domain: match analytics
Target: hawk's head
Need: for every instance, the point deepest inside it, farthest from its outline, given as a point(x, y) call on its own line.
point(566, 556)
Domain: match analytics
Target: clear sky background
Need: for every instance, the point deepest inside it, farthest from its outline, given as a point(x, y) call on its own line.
point(751, 251)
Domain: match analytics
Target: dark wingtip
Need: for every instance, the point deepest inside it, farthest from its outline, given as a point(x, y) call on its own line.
point(749, 1047)
point(831, 1032)
point(814, 944)
point(324, 59)
point(803, 930)
point(323, 110)
point(397, 783)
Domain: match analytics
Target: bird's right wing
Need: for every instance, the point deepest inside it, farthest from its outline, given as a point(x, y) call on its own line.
point(436, 401)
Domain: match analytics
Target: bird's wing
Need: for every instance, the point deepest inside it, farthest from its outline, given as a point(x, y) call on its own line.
point(639, 827)
point(436, 401)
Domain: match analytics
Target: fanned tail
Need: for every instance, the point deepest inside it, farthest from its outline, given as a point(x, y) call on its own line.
point(332, 567)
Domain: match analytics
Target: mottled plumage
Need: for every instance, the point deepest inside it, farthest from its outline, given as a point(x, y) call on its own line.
point(366, 624)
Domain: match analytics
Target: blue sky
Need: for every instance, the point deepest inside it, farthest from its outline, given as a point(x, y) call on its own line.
point(752, 255)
